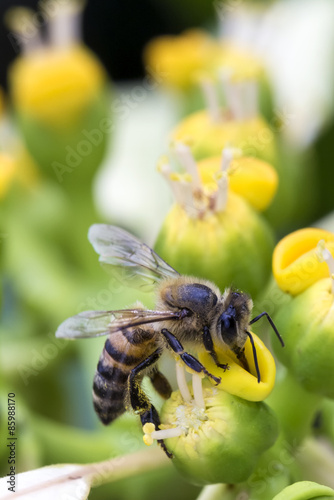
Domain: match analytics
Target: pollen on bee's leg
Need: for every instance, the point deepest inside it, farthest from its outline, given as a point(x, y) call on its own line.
point(198, 390)
point(324, 255)
point(182, 383)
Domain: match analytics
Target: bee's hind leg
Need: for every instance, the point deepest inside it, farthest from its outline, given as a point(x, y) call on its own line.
point(141, 403)
point(151, 416)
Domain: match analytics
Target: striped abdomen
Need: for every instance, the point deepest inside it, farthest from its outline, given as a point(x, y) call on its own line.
point(121, 353)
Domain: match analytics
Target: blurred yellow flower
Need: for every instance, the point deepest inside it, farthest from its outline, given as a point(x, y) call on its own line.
point(56, 85)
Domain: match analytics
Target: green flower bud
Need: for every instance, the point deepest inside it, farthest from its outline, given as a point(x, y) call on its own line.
point(214, 233)
point(305, 490)
point(307, 320)
point(221, 443)
point(59, 93)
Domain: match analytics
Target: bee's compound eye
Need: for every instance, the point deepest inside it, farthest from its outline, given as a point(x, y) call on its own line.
point(228, 328)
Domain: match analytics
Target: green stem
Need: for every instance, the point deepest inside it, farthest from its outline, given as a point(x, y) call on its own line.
point(294, 406)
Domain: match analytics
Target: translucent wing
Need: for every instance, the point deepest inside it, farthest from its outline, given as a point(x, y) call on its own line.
point(96, 323)
point(127, 258)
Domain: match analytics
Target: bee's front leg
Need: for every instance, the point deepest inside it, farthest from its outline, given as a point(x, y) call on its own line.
point(187, 358)
point(208, 344)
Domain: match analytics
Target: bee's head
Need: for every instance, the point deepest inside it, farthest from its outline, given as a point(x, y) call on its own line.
point(227, 326)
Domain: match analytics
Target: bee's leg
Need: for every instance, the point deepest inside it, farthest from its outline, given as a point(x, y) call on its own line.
point(151, 416)
point(160, 384)
point(208, 344)
point(138, 399)
point(187, 358)
point(272, 324)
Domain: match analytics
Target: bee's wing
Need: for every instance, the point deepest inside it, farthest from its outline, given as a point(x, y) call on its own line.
point(127, 258)
point(96, 323)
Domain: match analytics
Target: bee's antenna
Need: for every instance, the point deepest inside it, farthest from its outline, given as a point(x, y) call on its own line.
point(272, 324)
point(254, 356)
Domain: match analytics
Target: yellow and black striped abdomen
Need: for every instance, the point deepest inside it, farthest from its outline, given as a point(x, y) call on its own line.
point(121, 353)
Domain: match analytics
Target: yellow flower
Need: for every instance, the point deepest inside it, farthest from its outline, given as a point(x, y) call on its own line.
point(186, 58)
point(237, 380)
point(56, 85)
point(303, 266)
point(181, 58)
point(296, 265)
point(208, 137)
point(254, 180)
point(206, 428)
point(213, 200)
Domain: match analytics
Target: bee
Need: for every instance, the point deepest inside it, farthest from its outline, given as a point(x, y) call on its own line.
point(189, 313)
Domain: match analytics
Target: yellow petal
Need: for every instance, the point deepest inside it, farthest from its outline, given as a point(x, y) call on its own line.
point(55, 85)
point(253, 179)
point(241, 64)
point(295, 262)
point(207, 138)
point(237, 380)
point(180, 58)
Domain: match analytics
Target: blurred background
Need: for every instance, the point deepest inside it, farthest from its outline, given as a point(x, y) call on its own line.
point(86, 110)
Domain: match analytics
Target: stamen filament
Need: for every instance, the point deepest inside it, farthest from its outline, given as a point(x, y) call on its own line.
point(211, 99)
point(324, 255)
point(232, 94)
point(187, 160)
point(198, 391)
point(20, 21)
point(65, 25)
point(182, 383)
point(222, 180)
point(167, 433)
point(250, 92)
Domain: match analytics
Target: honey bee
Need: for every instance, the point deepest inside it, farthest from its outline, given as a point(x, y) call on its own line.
point(189, 313)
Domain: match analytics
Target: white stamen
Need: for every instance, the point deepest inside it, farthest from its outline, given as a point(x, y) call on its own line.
point(222, 179)
point(20, 21)
point(210, 96)
point(324, 255)
point(187, 160)
point(250, 98)
point(65, 25)
point(198, 391)
point(227, 157)
point(182, 383)
point(232, 91)
point(167, 433)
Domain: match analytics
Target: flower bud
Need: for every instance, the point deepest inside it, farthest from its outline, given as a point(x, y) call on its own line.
point(307, 320)
point(218, 444)
point(60, 97)
point(211, 231)
point(305, 490)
